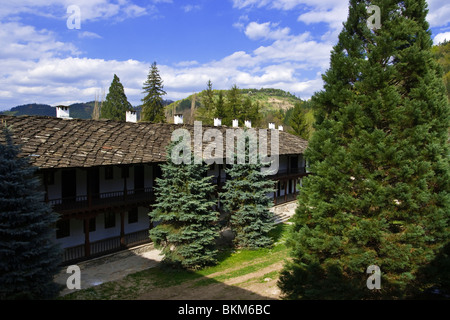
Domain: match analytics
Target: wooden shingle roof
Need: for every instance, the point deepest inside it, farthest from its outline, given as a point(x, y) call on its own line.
point(60, 143)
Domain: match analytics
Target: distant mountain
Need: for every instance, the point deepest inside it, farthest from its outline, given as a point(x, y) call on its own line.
point(77, 110)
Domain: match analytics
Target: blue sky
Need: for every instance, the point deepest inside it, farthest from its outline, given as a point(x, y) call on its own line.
point(281, 44)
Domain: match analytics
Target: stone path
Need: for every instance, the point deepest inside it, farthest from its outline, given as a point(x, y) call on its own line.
point(118, 265)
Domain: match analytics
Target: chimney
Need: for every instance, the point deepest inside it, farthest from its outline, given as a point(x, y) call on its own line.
point(271, 125)
point(248, 123)
point(131, 116)
point(63, 112)
point(235, 123)
point(178, 118)
point(280, 128)
point(217, 122)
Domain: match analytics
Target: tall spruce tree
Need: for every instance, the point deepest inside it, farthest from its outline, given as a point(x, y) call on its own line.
point(116, 104)
point(298, 122)
point(187, 224)
point(153, 103)
point(29, 258)
point(234, 105)
point(380, 190)
point(220, 111)
point(205, 113)
point(246, 203)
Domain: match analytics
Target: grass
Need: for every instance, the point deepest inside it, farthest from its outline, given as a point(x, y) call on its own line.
point(232, 263)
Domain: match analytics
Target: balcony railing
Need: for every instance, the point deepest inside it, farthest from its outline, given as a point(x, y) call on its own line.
point(105, 246)
point(102, 199)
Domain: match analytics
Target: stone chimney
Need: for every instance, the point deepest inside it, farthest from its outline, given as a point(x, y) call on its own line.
point(235, 123)
point(271, 125)
point(131, 116)
point(63, 112)
point(280, 128)
point(248, 123)
point(217, 122)
point(178, 118)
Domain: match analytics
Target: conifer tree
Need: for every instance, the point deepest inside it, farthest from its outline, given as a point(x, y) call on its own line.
point(29, 258)
point(187, 224)
point(116, 104)
point(220, 111)
point(298, 122)
point(152, 103)
point(246, 202)
point(380, 190)
point(234, 105)
point(205, 112)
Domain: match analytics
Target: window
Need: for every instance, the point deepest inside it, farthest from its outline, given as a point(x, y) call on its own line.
point(92, 226)
point(62, 229)
point(109, 173)
point(133, 215)
point(110, 220)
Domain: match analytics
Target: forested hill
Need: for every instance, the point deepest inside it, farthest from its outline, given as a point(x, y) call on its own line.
point(77, 110)
point(442, 55)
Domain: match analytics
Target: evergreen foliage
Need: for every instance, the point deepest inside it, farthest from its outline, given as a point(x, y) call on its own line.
point(246, 202)
point(298, 122)
point(380, 190)
point(116, 104)
point(205, 113)
point(29, 258)
point(153, 103)
point(187, 224)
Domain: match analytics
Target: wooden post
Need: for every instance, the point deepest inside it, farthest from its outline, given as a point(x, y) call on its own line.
point(87, 244)
point(125, 175)
point(285, 190)
point(46, 186)
point(89, 186)
point(122, 229)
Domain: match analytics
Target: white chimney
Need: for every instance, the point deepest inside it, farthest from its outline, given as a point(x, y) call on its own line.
point(178, 119)
point(271, 125)
point(280, 128)
point(63, 112)
point(248, 123)
point(235, 123)
point(217, 122)
point(131, 116)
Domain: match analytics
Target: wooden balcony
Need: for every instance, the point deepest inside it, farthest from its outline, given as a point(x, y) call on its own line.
point(105, 246)
point(102, 201)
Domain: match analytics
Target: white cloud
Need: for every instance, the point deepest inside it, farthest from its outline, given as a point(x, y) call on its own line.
point(191, 7)
point(439, 13)
point(267, 30)
point(89, 35)
point(441, 37)
point(90, 9)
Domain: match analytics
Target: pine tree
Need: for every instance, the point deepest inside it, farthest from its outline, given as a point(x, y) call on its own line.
point(220, 111)
point(29, 258)
point(246, 203)
point(116, 104)
point(298, 123)
point(234, 105)
point(187, 224)
point(205, 112)
point(380, 190)
point(153, 103)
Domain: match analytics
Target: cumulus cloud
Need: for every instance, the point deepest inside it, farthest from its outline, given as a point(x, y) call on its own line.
point(441, 37)
point(267, 30)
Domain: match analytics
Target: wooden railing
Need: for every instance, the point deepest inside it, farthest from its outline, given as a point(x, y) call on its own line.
point(102, 199)
point(104, 246)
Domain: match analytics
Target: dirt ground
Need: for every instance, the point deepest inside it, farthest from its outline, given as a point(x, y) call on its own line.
point(252, 286)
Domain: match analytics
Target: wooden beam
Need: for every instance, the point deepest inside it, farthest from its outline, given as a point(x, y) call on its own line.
point(87, 243)
point(122, 229)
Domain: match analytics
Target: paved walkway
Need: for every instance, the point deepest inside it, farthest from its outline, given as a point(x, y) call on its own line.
point(118, 265)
